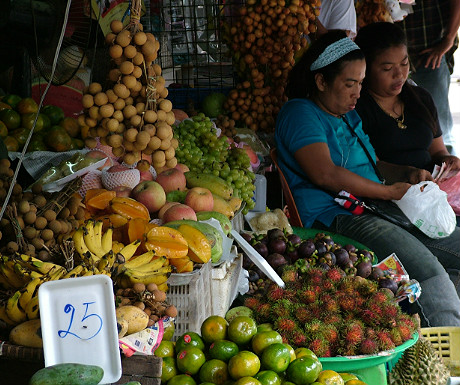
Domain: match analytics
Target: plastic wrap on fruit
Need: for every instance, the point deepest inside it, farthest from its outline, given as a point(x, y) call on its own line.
point(52, 175)
point(408, 289)
point(71, 165)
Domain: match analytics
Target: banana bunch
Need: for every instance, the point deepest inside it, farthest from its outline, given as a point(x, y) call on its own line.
point(145, 268)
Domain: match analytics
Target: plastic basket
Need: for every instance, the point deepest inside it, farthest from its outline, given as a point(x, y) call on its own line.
point(225, 284)
point(191, 294)
point(446, 341)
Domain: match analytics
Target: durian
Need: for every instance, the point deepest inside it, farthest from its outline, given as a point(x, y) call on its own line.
point(419, 365)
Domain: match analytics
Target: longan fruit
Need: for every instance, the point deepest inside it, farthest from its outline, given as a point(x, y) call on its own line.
point(102, 133)
point(126, 68)
point(129, 81)
point(115, 140)
point(91, 143)
point(160, 296)
point(148, 48)
point(55, 226)
point(119, 104)
point(159, 165)
point(40, 201)
point(38, 243)
point(93, 112)
point(129, 159)
point(111, 96)
point(169, 153)
point(138, 59)
point(110, 38)
point(106, 110)
point(40, 223)
point(164, 93)
point(51, 243)
point(80, 214)
point(161, 115)
point(158, 156)
point(170, 118)
point(114, 74)
point(116, 26)
point(101, 98)
point(140, 305)
point(23, 207)
point(139, 287)
point(94, 88)
point(129, 51)
point(140, 38)
point(91, 122)
point(129, 111)
point(150, 129)
point(174, 143)
point(130, 135)
point(163, 130)
point(30, 232)
point(166, 105)
point(123, 38)
point(137, 72)
point(12, 247)
point(44, 256)
point(63, 214)
point(118, 151)
point(150, 116)
point(37, 188)
point(5, 163)
point(120, 90)
point(171, 311)
point(165, 144)
point(50, 215)
point(135, 120)
point(128, 146)
point(17, 189)
point(171, 163)
point(30, 217)
point(129, 100)
point(157, 69)
point(87, 100)
point(154, 143)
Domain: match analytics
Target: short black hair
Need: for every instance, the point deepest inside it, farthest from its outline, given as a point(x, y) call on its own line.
point(301, 80)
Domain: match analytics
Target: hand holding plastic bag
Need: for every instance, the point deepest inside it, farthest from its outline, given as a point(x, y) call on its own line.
point(426, 206)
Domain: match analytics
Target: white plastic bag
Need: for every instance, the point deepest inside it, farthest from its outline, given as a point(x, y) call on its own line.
point(426, 206)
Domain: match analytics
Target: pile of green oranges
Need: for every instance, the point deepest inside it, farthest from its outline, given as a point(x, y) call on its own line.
point(240, 352)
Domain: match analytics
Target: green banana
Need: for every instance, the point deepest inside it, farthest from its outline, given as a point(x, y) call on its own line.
point(225, 223)
point(212, 182)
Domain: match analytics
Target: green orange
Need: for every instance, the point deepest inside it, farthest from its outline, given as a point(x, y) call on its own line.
point(243, 364)
point(168, 331)
point(27, 106)
point(264, 327)
point(20, 134)
point(165, 349)
point(57, 139)
point(3, 130)
point(168, 369)
point(11, 99)
point(27, 121)
point(214, 371)
point(189, 360)
point(263, 339)
point(11, 118)
point(348, 376)
point(249, 380)
point(182, 379)
point(214, 328)
point(276, 357)
point(11, 143)
point(355, 382)
point(291, 352)
point(4, 105)
point(223, 350)
point(301, 352)
point(55, 113)
point(241, 330)
point(189, 339)
point(303, 370)
point(268, 377)
point(330, 377)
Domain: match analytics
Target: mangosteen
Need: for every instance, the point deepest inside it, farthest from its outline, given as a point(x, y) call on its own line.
point(353, 257)
point(294, 239)
point(277, 245)
point(306, 248)
point(388, 283)
point(261, 248)
point(260, 273)
point(365, 254)
point(342, 257)
point(376, 273)
point(329, 258)
point(276, 260)
point(275, 233)
point(291, 254)
point(364, 269)
point(246, 236)
point(320, 247)
point(329, 242)
point(247, 263)
point(323, 266)
point(253, 276)
point(350, 248)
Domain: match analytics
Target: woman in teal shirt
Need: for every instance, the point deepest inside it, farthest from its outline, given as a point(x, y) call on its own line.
point(320, 156)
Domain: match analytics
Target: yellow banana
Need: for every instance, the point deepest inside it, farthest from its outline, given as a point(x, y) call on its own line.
point(98, 236)
point(128, 251)
point(87, 273)
point(117, 247)
point(36, 264)
point(80, 245)
point(14, 312)
point(5, 321)
point(29, 291)
point(56, 273)
point(140, 260)
point(4, 283)
point(106, 241)
point(35, 274)
point(8, 272)
point(106, 262)
point(157, 278)
point(150, 267)
point(75, 272)
point(92, 241)
point(163, 287)
point(32, 308)
point(22, 272)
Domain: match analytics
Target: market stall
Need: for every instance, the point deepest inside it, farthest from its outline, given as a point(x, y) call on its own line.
point(144, 234)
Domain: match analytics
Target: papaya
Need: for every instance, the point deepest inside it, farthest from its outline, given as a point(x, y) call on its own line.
point(68, 374)
point(137, 319)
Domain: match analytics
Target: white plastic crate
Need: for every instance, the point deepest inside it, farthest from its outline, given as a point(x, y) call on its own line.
point(224, 285)
point(191, 294)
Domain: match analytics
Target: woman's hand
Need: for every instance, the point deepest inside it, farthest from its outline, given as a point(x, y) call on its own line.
point(451, 161)
point(416, 175)
point(397, 190)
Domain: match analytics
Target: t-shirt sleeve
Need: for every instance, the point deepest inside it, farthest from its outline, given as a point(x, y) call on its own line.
point(339, 15)
point(298, 126)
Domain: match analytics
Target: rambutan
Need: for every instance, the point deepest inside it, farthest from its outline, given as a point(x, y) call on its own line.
point(298, 338)
point(289, 274)
point(290, 295)
point(348, 350)
point(384, 340)
point(396, 337)
point(370, 333)
point(370, 317)
point(331, 318)
point(408, 320)
point(275, 293)
point(391, 311)
point(314, 327)
point(251, 302)
point(335, 274)
point(365, 286)
point(330, 305)
point(330, 333)
point(381, 296)
point(328, 285)
point(285, 324)
point(263, 312)
point(347, 303)
point(376, 308)
point(282, 308)
point(369, 346)
point(315, 276)
point(353, 333)
point(346, 285)
point(319, 346)
point(308, 295)
point(405, 332)
point(302, 314)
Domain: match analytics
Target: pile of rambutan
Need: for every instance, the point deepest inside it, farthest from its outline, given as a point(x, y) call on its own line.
point(333, 314)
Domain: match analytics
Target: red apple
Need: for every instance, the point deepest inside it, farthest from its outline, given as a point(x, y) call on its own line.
point(178, 212)
point(199, 199)
point(122, 191)
point(172, 179)
point(180, 115)
point(118, 168)
point(182, 167)
point(167, 205)
point(251, 153)
point(96, 154)
point(151, 194)
point(146, 175)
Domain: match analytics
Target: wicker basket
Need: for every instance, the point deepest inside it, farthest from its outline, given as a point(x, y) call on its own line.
point(19, 363)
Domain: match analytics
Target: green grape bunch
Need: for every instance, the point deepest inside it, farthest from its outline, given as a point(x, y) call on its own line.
point(203, 151)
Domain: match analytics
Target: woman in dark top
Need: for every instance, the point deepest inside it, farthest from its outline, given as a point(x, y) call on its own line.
point(399, 117)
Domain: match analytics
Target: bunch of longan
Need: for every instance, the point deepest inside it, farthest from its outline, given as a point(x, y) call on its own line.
point(133, 116)
point(371, 11)
point(264, 41)
point(226, 124)
point(42, 223)
point(148, 298)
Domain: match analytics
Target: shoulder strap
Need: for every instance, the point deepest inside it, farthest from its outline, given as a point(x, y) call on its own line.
point(377, 172)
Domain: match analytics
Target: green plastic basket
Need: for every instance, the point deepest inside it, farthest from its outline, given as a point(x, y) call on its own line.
point(305, 233)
